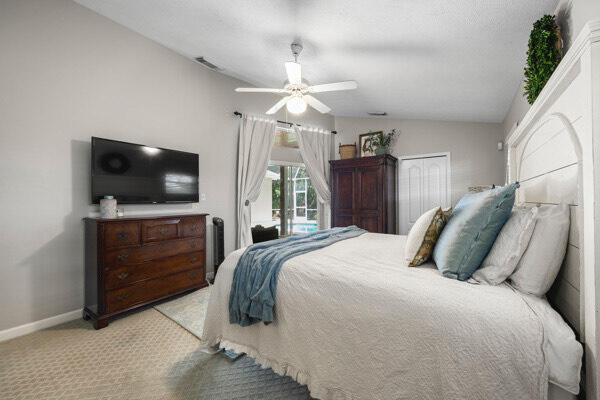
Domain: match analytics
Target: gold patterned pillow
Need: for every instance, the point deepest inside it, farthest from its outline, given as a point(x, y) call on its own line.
point(424, 234)
point(447, 213)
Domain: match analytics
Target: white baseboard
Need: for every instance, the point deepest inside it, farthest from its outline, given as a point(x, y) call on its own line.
point(38, 325)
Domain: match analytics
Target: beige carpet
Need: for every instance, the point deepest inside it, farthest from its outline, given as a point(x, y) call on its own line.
point(142, 356)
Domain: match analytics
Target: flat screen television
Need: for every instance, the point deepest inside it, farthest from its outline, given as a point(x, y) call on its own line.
point(137, 174)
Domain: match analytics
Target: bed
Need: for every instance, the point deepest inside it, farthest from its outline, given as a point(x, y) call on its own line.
point(354, 322)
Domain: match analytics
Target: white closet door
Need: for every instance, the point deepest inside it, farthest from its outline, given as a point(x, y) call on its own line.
point(435, 175)
point(411, 193)
point(423, 185)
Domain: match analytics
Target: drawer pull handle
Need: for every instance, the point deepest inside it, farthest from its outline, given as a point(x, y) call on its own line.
point(194, 228)
point(123, 275)
point(193, 277)
point(193, 259)
point(123, 234)
point(162, 231)
point(123, 256)
point(193, 245)
point(122, 297)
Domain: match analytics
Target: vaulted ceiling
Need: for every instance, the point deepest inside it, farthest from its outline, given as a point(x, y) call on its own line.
point(458, 60)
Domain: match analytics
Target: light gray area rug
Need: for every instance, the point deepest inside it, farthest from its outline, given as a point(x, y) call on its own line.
point(188, 311)
point(230, 379)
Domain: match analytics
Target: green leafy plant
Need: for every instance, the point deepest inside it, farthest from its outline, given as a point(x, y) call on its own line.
point(379, 143)
point(543, 55)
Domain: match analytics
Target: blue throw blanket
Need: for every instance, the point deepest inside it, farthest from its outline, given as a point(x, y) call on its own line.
point(254, 283)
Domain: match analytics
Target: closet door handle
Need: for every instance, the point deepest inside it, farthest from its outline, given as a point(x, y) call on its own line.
point(123, 275)
point(122, 256)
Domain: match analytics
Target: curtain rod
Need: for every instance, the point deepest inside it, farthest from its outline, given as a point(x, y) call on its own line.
point(239, 114)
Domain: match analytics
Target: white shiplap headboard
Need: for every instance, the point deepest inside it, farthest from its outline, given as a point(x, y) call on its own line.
point(555, 154)
point(549, 169)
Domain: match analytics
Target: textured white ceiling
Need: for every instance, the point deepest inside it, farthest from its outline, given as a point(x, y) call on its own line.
point(456, 60)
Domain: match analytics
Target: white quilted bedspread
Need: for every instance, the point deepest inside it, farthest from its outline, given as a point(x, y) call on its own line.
point(352, 321)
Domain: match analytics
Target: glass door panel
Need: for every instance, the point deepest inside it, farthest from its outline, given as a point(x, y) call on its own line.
point(287, 200)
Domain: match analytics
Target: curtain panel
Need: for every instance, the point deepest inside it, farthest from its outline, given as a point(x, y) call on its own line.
point(315, 149)
point(256, 137)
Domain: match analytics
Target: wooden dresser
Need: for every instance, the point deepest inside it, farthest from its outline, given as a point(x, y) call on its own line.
point(131, 262)
point(363, 193)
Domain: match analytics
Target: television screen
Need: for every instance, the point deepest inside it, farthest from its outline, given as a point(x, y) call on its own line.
point(136, 174)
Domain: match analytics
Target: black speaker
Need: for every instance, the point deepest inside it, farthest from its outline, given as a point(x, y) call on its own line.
point(218, 243)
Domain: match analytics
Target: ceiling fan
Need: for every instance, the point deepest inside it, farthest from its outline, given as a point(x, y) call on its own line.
point(298, 91)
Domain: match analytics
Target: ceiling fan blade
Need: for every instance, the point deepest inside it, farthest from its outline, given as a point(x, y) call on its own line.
point(278, 105)
point(260, 90)
point(294, 72)
point(316, 104)
point(330, 87)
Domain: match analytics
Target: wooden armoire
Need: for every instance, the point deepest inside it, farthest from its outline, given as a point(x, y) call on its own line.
point(363, 193)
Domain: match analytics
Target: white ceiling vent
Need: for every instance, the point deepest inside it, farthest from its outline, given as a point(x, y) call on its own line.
point(208, 64)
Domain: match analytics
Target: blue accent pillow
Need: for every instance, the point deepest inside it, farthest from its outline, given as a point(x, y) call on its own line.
point(471, 231)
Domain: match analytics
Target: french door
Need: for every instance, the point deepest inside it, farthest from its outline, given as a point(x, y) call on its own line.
point(287, 200)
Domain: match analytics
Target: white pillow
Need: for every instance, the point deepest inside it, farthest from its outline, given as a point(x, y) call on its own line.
point(543, 258)
point(416, 236)
point(508, 247)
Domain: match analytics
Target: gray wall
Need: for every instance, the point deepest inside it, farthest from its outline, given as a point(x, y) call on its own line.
point(475, 159)
point(67, 74)
point(571, 16)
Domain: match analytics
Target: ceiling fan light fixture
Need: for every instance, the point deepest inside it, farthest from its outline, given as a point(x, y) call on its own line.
point(296, 105)
point(297, 91)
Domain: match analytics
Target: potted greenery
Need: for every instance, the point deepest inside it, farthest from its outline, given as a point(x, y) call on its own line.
point(543, 56)
point(379, 143)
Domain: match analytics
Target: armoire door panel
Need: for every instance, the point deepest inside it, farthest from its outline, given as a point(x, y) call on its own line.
point(344, 194)
point(369, 223)
point(343, 220)
point(369, 189)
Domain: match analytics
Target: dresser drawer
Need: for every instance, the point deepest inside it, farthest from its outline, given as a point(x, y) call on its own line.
point(161, 229)
point(116, 258)
point(152, 289)
point(123, 276)
point(193, 227)
point(121, 234)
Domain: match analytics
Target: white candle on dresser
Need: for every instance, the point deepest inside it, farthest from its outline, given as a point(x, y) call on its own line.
point(108, 207)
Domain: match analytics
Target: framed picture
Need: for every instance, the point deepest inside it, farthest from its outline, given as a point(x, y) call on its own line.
point(361, 142)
